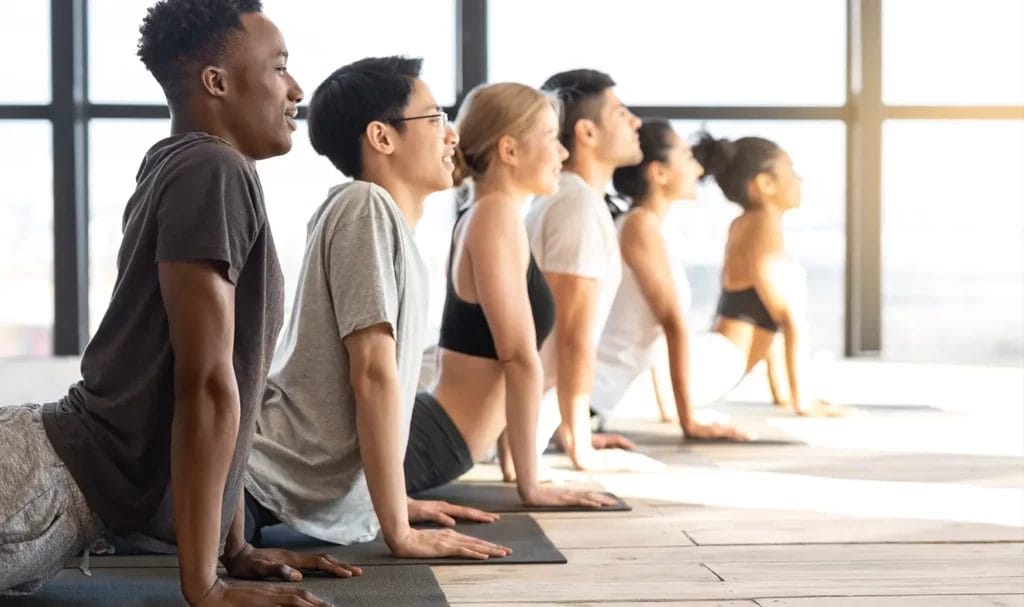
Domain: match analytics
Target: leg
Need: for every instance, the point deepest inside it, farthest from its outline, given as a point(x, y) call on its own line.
point(44, 518)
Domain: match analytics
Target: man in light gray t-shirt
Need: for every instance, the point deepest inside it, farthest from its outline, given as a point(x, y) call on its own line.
point(328, 456)
point(361, 268)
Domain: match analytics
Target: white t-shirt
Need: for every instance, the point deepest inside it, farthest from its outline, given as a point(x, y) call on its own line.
point(361, 268)
point(631, 335)
point(572, 232)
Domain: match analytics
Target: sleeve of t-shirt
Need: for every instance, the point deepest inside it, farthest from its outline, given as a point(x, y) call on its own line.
point(573, 242)
point(362, 272)
point(207, 210)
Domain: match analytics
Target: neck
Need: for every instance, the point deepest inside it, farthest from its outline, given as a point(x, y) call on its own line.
point(655, 202)
point(188, 120)
point(407, 197)
point(597, 174)
point(499, 184)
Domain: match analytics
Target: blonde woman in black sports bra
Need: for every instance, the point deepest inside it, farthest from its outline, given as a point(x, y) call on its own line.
point(498, 309)
point(763, 288)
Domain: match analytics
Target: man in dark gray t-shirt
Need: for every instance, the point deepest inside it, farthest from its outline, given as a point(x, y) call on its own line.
point(151, 444)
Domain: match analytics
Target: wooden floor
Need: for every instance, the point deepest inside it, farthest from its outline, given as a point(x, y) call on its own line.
point(916, 501)
point(909, 503)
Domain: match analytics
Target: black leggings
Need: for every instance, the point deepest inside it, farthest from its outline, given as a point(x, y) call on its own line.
point(257, 516)
point(437, 452)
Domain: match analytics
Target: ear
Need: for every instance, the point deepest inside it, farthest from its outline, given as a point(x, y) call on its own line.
point(656, 173)
point(214, 80)
point(765, 184)
point(380, 137)
point(585, 131)
point(508, 150)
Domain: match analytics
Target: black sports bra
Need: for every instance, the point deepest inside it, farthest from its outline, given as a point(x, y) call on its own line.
point(746, 306)
point(464, 327)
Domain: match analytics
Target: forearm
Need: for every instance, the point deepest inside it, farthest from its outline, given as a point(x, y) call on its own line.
point(791, 336)
point(678, 344)
point(236, 532)
point(575, 381)
point(378, 424)
point(776, 367)
point(203, 436)
point(524, 380)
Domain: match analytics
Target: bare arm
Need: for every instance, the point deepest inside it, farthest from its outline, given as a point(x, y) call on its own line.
point(373, 372)
point(200, 304)
point(767, 259)
point(498, 253)
point(643, 250)
point(576, 301)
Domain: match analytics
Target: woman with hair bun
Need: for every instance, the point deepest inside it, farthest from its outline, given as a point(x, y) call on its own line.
point(764, 290)
point(498, 308)
point(654, 295)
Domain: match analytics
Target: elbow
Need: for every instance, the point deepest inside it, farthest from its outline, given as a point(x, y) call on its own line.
point(372, 379)
point(210, 394)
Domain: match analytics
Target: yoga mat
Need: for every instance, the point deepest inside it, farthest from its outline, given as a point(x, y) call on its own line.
point(660, 439)
point(159, 587)
point(519, 532)
point(502, 497)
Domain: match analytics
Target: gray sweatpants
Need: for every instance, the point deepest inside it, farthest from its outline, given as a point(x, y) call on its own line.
point(44, 518)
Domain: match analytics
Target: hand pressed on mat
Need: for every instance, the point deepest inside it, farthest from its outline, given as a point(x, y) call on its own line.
point(433, 543)
point(255, 594)
point(546, 495)
point(251, 563)
point(445, 513)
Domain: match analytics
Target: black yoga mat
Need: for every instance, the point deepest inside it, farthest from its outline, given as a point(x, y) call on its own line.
point(158, 587)
point(502, 497)
point(519, 532)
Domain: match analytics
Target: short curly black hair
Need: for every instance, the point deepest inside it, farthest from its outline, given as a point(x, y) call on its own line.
point(180, 35)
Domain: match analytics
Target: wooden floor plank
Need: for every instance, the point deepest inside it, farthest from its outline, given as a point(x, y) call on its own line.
point(869, 569)
point(525, 592)
point(799, 554)
point(845, 530)
point(1003, 600)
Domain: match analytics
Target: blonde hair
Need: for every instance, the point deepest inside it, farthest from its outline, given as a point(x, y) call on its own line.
point(488, 113)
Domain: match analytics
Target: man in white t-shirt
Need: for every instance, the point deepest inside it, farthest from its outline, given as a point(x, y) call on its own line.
point(574, 241)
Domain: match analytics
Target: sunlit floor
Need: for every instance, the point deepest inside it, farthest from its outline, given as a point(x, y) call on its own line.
point(918, 499)
point(915, 500)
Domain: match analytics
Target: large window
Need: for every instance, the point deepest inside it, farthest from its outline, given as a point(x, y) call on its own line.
point(25, 46)
point(116, 150)
point(321, 37)
point(726, 52)
point(953, 241)
point(116, 75)
point(814, 233)
point(952, 52)
point(26, 239)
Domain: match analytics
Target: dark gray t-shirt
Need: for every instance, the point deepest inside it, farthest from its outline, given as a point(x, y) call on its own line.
point(196, 198)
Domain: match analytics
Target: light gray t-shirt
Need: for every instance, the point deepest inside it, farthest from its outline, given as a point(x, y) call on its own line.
point(361, 268)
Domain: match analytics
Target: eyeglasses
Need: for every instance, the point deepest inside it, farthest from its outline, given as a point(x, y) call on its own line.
point(442, 123)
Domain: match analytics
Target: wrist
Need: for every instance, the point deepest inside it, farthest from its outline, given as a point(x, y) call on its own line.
point(195, 591)
point(234, 551)
point(397, 534)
